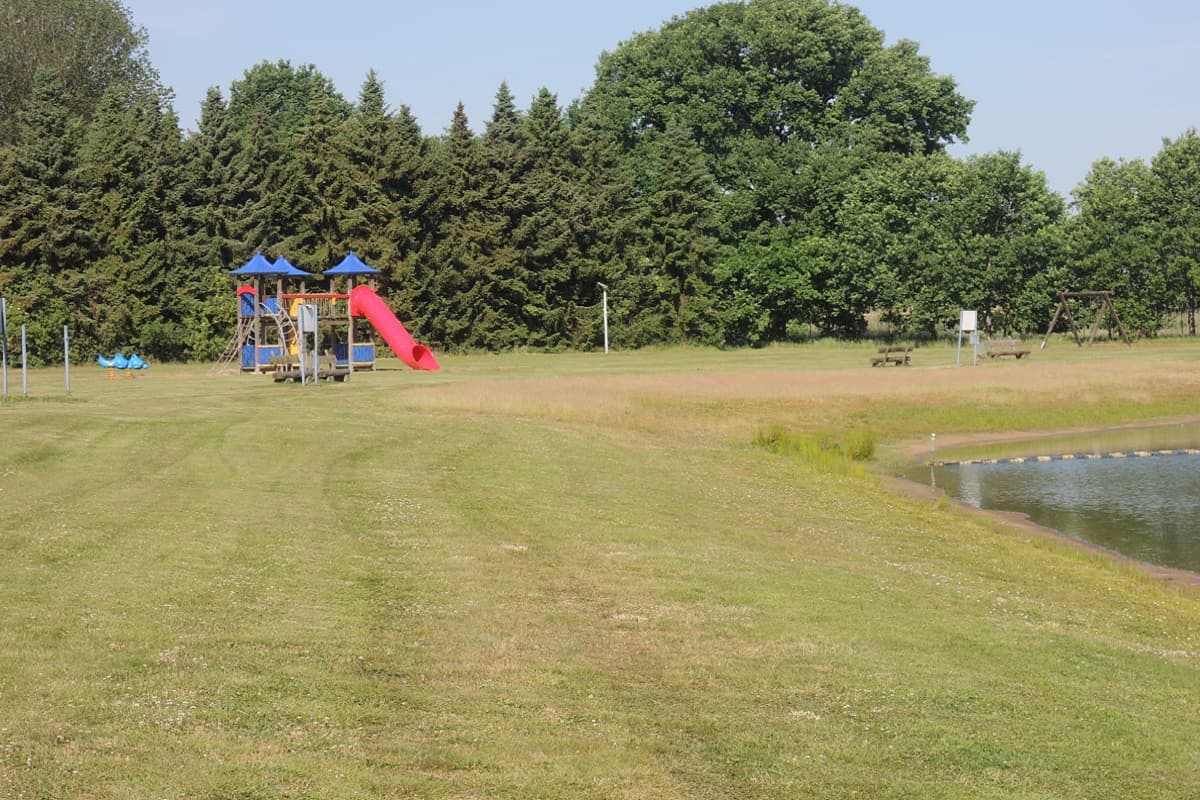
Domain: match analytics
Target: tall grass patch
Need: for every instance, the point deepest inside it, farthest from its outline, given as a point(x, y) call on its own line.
point(828, 451)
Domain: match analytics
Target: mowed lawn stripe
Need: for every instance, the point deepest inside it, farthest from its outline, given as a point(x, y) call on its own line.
point(389, 589)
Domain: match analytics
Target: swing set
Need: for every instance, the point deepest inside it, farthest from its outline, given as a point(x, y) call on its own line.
point(1106, 306)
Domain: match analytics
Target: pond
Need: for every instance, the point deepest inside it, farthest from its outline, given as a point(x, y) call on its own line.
point(1144, 506)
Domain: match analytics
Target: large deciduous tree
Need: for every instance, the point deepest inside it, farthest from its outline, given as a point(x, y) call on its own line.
point(319, 186)
point(786, 100)
point(285, 96)
point(1174, 202)
point(1137, 233)
point(748, 79)
point(91, 45)
point(1007, 264)
point(1112, 247)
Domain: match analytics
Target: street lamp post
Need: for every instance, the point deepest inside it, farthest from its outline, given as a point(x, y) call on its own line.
point(604, 305)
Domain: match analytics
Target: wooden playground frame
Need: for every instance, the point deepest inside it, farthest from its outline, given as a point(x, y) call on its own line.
point(1106, 304)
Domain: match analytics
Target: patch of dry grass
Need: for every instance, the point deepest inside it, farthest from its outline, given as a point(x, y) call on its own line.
point(735, 394)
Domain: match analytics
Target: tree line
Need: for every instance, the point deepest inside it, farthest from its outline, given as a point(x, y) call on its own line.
point(747, 173)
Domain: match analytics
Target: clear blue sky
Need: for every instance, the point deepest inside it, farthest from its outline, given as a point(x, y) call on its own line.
point(1063, 81)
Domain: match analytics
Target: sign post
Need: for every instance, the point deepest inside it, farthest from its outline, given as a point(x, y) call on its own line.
point(309, 359)
point(966, 323)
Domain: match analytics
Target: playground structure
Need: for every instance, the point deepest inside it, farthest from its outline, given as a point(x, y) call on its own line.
point(269, 330)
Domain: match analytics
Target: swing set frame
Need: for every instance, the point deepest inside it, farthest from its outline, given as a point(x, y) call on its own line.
point(1106, 304)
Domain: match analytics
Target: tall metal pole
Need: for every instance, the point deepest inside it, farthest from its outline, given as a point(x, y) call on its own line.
point(604, 303)
point(67, 358)
point(4, 342)
point(24, 366)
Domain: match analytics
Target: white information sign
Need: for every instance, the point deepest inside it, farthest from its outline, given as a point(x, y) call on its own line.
point(308, 318)
point(967, 321)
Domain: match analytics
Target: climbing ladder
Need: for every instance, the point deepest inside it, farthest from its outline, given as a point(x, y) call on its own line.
point(231, 357)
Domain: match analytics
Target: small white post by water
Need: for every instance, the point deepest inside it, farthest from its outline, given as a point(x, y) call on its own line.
point(932, 474)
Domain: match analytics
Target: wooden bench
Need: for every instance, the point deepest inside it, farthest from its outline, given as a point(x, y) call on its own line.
point(287, 368)
point(999, 348)
point(892, 355)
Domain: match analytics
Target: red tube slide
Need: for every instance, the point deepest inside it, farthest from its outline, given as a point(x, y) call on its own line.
point(364, 302)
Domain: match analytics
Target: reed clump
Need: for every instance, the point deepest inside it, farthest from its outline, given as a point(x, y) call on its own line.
point(832, 450)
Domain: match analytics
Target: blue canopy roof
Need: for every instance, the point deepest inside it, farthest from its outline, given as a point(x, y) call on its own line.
point(286, 268)
point(258, 266)
point(351, 265)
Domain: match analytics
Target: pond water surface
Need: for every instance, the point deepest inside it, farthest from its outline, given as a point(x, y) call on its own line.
point(1147, 508)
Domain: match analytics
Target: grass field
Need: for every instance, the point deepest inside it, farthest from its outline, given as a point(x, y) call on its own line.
point(574, 576)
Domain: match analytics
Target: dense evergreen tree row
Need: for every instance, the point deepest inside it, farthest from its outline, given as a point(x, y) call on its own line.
point(748, 173)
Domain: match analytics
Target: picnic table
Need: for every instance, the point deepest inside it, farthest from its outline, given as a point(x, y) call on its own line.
point(1000, 348)
point(287, 368)
point(893, 354)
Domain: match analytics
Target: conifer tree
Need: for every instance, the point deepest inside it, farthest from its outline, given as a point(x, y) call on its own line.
point(365, 145)
point(450, 265)
point(317, 189)
point(213, 227)
point(131, 160)
point(385, 155)
point(211, 155)
point(261, 169)
point(604, 228)
point(674, 270)
point(500, 290)
point(405, 182)
point(46, 238)
point(545, 233)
